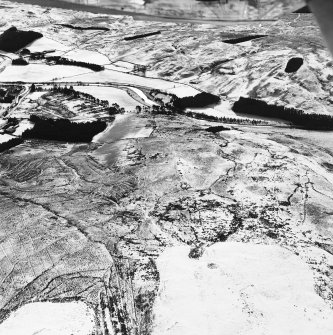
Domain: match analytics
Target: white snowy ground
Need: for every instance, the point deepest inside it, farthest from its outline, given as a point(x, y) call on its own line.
point(33, 73)
point(5, 138)
point(88, 56)
point(66, 73)
point(47, 318)
point(47, 44)
point(125, 126)
point(236, 289)
point(111, 94)
point(22, 127)
point(142, 96)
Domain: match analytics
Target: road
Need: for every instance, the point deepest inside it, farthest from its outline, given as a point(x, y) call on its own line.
point(23, 94)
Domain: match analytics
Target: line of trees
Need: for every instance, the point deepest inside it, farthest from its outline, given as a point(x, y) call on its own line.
point(296, 116)
point(242, 39)
point(64, 61)
point(223, 119)
point(84, 28)
point(131, 38)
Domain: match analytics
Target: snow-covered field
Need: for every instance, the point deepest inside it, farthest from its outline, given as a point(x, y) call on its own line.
point(121, 66)
point(22, 127)
point(81, 55)
point(7, 55)
point(40, 73)
point(5, 138)
point(183, 90)
point(125, 126)
point(47, 44)
point(35, 95)
point(142, 96)
point(237, 288)
point(111, 94)
point(65, 73)
point(126, 78)
point(47, 318)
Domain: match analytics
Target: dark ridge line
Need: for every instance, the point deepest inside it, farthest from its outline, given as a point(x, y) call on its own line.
point(131, 38)
point(303, 10)
point(243, 39)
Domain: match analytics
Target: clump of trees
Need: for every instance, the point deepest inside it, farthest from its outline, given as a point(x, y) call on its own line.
point(9, 93)
point(19, 61)
point(37, 55)
point(63, 129)
point(294, 64)
point(12, 40)
point(64, 61)
point(296, 116)
point(163, 109)
point(200, 100)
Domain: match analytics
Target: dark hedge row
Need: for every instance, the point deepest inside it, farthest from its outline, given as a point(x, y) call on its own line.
point(84, 28)
point(243, 39)
point(296, 116)
point(65, 61)
point(131, 38)
point(63, 130)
